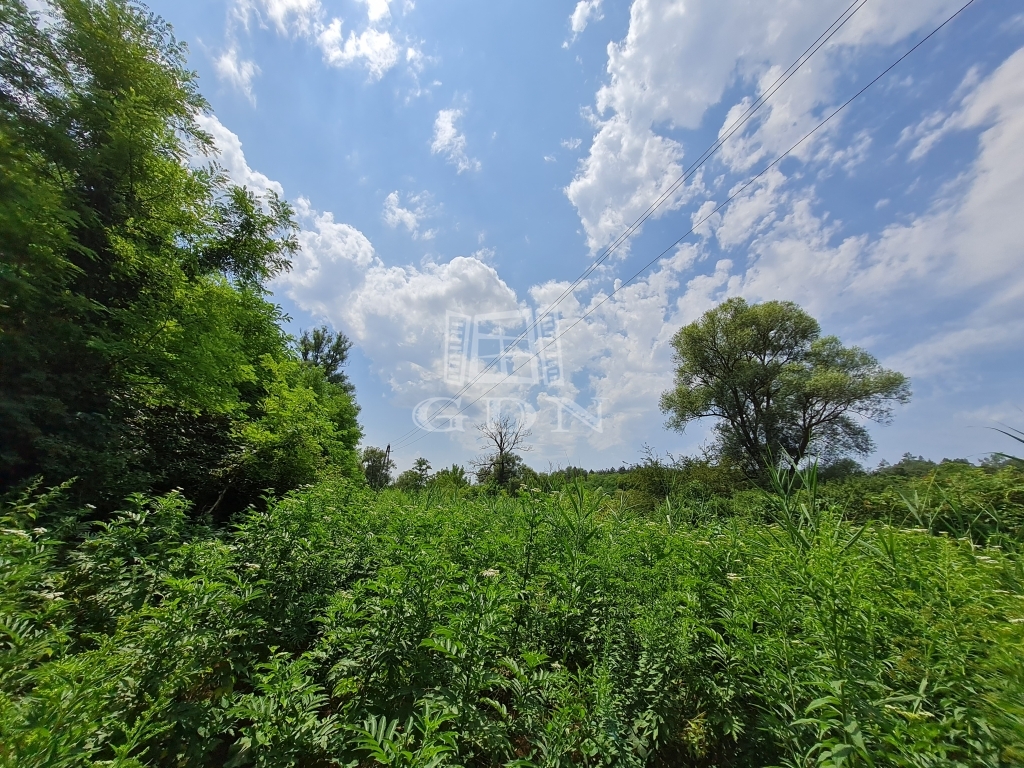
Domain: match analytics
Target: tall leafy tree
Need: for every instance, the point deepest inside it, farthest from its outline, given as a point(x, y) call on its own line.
point(775, 385)
point(415, 478)
point(137, 347)
point(328, 351)
point(377, 465)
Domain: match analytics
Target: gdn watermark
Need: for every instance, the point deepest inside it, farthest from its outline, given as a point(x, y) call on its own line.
point(445, 414)
point(503, 348)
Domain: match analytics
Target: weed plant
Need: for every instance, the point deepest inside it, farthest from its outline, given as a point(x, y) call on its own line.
point(343, 627)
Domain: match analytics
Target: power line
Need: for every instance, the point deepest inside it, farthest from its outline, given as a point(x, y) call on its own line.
point(736, 125)
point(728, 200)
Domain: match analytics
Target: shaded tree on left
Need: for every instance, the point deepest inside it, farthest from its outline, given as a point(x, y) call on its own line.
point(138, 350)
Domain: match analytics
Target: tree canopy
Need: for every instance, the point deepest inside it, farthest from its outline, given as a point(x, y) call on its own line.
point(138, 350)
point(377, 464)
point(327, 350)
point(503, 436)
point(776, 385)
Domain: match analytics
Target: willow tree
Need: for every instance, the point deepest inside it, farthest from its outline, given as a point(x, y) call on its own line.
point(776, 386)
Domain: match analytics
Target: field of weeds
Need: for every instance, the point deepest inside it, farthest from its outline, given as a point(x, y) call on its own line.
point(344, 627)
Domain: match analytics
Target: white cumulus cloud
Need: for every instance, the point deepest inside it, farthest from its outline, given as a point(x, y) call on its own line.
point(679, 58)
point(584, 12)
point(373, 47)
point(237, 72)
point(378, 10)
point(417, 208)
point(231, 157)
point(451, 142)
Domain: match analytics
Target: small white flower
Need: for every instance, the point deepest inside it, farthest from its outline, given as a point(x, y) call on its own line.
point(490, 573)
point(38, 531)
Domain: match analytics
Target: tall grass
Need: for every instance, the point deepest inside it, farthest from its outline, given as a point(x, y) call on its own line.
point(342, 627)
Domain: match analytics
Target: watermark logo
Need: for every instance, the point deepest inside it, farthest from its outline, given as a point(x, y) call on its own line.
point(439, 414)
point(503, 348)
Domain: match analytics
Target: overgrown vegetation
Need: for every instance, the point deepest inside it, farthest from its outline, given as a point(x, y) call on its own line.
point(344, 626)
point(199, 569)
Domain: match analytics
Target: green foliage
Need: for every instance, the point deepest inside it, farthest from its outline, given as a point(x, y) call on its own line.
point(339, 626)
point(306, 428)
point(776, 385)
point(451, 481)
point(137, 348)
point(377, 465)
point(414, 479)
point(328, 351)
point(506, 473)
point(953, 498)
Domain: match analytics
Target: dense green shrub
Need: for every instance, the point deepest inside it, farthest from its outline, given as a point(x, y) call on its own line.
point(340, 626)
point(981, 504)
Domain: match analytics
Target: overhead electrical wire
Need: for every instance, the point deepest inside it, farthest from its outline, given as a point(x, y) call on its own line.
point(728, 200)
point(688, 173)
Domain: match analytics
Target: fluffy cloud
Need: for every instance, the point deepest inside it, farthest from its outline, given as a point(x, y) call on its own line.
point(450, 142)
point(333, 260)
point(410, 217)
point(617, 347)
point(679, 58)
point(378, 10)
point(401, 312)
point(298, 17)
point(583, 13)
point(373, 48)
point(231, 157)
point(624, 173)
point(237, 72)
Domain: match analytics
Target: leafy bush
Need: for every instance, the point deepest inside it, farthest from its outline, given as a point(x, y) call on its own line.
point(979, 504)
point(341, 626)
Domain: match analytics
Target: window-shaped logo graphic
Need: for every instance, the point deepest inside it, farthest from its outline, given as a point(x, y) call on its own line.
point(502, 347)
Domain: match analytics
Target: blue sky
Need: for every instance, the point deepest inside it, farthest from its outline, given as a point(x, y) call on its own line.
point(453, 160)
